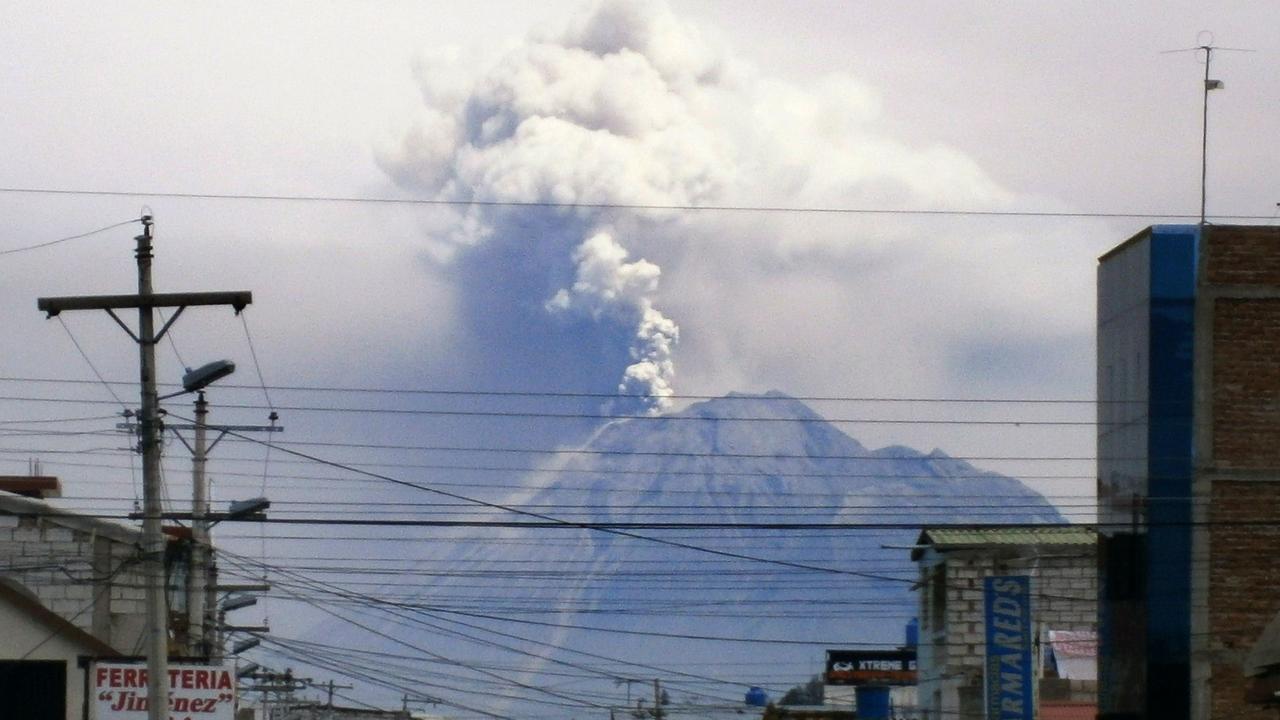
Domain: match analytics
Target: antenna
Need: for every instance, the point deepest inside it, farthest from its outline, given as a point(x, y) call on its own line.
point(1204, 43)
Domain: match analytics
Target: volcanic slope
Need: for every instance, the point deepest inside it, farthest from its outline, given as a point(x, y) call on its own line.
point(679, 593)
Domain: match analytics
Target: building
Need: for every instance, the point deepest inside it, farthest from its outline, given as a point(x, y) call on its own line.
point(1188, 459)
point(1263, 668)
point(39, 658)
point(71, 588)
point(318, 711)
point(953, 564)
point(84, 569)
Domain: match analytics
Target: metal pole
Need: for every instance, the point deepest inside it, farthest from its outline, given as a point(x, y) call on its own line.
point(198, 577)
point(1204, 138)
point(153, 544)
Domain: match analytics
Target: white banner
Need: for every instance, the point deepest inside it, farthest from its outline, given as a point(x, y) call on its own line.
point(196, 692)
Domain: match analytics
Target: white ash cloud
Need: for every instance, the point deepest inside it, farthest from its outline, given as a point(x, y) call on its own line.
point(607, 284)
point(609, 112)
point(633, 106)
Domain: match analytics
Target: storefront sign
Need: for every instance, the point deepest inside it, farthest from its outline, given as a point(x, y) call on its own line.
point(871, 667)
point(196, 692)
point(1010, 683)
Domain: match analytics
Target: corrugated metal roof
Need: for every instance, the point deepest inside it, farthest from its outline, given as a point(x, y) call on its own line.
point(943, 538)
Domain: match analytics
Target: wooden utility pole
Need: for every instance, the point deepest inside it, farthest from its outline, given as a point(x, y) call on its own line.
point(149, 431)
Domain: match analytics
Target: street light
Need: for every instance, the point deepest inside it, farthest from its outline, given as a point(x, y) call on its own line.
point(245, 645)
point(205, 375)
point(235, 602)
point(199, 601)
point(197, 583)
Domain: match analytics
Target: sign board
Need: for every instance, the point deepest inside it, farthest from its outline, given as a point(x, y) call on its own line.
point(871, 667)
point(196, 692)
point(1010, 686)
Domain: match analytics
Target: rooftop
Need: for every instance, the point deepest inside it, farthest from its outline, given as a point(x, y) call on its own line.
point(951, 538)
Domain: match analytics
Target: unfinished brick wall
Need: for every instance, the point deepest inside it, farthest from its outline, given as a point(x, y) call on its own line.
point(91, 580)
point(1246, 382)
point(952, 649)
point(1243, 255)
point(1242, 283)
point(1243, 594)
point(1064, 591)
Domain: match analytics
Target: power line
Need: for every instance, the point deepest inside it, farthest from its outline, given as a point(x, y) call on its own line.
point(764, 397)
point(68, 238)
point(871, 457)
point(417, 620)
point(622, 528)
point(770, 209)
point(605, 472)
point(89, 362)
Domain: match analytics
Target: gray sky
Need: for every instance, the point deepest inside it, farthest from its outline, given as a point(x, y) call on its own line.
point(1066, 107)
point(902, 106)
point(992, 106)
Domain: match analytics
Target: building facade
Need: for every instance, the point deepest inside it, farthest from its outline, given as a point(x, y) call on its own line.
point(83, 569)
point(953, 564)
point(71, 589)
point(40, 664)
point(1188, 467)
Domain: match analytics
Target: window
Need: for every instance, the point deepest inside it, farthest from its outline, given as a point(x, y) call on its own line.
point(938, 598)
point(34, 689)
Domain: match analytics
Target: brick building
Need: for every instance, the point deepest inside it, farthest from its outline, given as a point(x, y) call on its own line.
point(1188, 467)
point(83, 569)
point(953, 563)
point(71, 587)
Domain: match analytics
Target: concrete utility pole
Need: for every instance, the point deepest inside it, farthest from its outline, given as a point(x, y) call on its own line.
point(198, 575)
point(149, 431)
point(202, 622)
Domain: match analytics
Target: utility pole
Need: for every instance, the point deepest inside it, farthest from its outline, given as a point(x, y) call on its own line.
point(149, 431)
point(153, 542)
point(331, 686)
point(201, 634)
point(657, 699)
point(197, 577)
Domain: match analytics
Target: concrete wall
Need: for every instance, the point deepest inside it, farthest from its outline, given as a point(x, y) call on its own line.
point(89, 578)
point(1064, 588)
point(23, 637)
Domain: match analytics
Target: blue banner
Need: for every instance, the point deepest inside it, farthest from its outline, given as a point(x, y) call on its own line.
point(1010, 683)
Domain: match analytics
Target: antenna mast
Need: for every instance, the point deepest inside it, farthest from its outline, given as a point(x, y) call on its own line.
point(1205, 45)
point(1209, 84)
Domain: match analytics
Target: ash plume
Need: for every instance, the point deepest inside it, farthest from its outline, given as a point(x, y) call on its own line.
point(632, 106)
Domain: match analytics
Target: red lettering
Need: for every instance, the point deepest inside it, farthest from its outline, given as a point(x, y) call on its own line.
point(202, 680)
point(188, 679)
point(224, 680)
point(100, 675)
point(129, 678)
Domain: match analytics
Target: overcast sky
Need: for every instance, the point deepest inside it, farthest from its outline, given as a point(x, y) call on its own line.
point(1068, 108)
point(883, 106)
point(795, 113)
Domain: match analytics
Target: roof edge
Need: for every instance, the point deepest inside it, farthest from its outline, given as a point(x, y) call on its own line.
point(18, 505)
point(36, 609)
